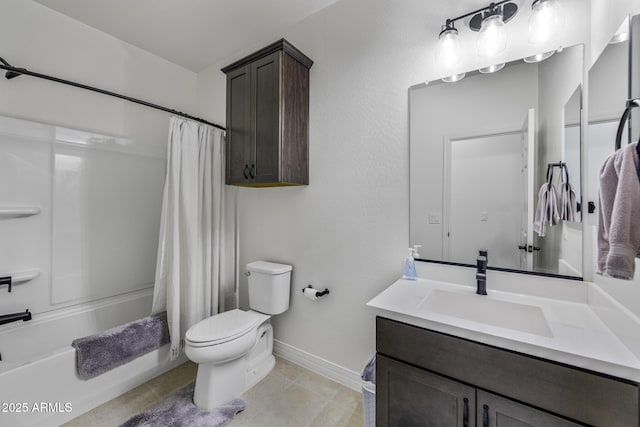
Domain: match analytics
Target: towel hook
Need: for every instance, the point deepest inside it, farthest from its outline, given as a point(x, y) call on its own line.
point(566, 173)
point(631, 104)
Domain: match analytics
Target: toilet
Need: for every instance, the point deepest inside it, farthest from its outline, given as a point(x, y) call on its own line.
point(234, 349)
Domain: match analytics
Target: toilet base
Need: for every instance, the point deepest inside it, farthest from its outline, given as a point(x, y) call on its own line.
point(217, 384)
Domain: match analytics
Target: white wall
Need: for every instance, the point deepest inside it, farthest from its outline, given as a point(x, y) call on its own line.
point(45, 41)
point(100, 194)
point(348, 230)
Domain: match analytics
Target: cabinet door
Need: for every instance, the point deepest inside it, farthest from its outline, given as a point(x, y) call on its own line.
point(238, 126)
point(408, 396)
point(494, 411)
point(265, 147)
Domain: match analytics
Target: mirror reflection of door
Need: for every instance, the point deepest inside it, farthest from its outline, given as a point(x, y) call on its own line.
point(527, 169)
point(484, 198)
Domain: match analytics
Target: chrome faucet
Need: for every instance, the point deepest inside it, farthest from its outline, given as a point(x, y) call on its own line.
point(481, 272)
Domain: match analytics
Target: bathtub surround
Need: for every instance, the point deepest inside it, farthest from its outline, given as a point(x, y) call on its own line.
point(38, 362)
point(97, 354)
point(94, 165)
point(187, 282)
point(178, 410)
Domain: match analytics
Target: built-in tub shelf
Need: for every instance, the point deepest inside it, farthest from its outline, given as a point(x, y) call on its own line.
point(11, 279)
point(18, 211)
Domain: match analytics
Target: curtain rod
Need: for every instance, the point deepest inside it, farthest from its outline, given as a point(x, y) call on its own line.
point(13, 72)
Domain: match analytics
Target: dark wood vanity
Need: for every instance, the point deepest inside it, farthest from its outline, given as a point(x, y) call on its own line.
point(428, 378)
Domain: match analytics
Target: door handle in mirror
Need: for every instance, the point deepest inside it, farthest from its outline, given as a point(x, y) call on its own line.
point(485, 416)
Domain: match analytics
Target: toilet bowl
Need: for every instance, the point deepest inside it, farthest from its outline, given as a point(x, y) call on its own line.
point(234, 349)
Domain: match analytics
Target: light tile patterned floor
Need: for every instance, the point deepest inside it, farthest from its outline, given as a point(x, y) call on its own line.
point(289, 396)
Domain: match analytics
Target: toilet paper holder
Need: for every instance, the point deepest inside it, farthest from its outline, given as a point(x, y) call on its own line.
point(318, 293)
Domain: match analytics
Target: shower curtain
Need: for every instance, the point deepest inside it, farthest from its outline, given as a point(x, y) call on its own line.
point(192, 229)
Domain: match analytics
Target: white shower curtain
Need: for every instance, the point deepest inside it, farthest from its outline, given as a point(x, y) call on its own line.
point(188, 269)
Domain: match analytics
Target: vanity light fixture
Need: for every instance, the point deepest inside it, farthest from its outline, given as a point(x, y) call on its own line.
point(448, 45)
point(544, 20)
point(492, 38)
point(488, 21)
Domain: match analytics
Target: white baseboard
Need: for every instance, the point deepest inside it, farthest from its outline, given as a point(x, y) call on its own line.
point(337, 373)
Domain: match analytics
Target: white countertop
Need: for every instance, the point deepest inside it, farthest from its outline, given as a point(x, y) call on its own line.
point(587, 334)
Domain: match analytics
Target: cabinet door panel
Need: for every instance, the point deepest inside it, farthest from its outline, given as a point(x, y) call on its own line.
point(407, 396)
point(238, 125)
point(494, 411)
point(266, 144)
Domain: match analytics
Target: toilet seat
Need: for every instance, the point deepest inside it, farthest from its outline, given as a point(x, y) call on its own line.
point(223, 327)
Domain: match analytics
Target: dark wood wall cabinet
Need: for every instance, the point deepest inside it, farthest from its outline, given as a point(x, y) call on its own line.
point(268, 118)
point(427, 378)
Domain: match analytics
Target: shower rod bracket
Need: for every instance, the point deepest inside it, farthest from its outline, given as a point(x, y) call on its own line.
point(11, 74)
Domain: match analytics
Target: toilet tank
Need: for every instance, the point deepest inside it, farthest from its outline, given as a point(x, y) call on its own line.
point(269, 286)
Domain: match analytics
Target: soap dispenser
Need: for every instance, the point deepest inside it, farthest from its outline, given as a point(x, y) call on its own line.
point(409, 269)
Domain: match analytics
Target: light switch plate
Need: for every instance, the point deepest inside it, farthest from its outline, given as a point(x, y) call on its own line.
point(434, 217)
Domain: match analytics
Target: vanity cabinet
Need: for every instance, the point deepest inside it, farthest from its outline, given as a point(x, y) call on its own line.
point(268, 118)
point(427, 378)
point(410, 396)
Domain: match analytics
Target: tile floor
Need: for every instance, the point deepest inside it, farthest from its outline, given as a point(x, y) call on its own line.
point(289, 396)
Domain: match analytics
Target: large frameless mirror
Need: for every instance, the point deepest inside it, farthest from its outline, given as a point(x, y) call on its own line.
point(482, 149)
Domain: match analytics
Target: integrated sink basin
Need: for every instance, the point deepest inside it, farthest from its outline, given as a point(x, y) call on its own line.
point(575, 325)
point(482, 309)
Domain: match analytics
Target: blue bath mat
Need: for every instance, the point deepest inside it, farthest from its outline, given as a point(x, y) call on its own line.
point(178, 410)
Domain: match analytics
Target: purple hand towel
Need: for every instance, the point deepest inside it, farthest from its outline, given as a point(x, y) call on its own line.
point(619, 217)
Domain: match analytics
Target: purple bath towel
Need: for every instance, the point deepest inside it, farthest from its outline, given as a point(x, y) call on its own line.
point(97, 354)
point(619, 217)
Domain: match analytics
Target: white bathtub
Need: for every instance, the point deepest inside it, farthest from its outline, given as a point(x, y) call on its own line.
point(38, 381)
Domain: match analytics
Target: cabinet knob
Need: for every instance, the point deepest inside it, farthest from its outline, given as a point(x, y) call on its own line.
point(246, 172)
point(252, 171)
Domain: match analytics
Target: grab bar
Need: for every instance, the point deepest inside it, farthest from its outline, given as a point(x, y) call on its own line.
point(15, 278)
point(14, 317)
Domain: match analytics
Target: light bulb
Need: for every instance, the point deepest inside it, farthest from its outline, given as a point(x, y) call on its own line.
point(538, 57)
point(448, 47)
point(454, 78)
point(492, 38)
point(544, 20)
point(492, 68)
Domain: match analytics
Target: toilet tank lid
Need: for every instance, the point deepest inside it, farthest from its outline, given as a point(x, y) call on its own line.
point(268, 267)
